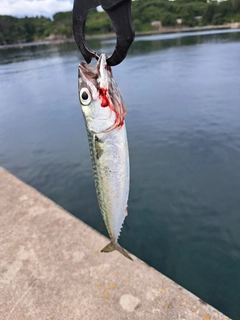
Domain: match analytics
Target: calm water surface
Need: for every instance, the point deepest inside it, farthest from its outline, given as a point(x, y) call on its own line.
point(183, 98)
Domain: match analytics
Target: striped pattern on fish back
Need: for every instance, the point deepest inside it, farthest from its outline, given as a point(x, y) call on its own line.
point(97, 180)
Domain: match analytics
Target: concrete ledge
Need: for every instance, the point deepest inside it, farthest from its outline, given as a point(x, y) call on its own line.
point(51, 268)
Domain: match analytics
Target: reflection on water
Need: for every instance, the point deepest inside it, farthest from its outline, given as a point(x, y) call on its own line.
point(22, 53)
point(182, 95)
point(142, 44)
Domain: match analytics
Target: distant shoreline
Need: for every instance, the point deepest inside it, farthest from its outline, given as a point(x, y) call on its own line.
point(164, 30)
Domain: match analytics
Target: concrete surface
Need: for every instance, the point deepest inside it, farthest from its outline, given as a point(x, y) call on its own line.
point(51, 268)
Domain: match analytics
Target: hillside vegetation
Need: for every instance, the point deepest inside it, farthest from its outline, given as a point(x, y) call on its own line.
point(144, 12)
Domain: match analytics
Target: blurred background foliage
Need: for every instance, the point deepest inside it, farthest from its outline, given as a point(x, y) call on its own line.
point(189, 13)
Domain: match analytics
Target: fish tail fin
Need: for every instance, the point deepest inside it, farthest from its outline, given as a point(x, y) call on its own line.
point(115, 246)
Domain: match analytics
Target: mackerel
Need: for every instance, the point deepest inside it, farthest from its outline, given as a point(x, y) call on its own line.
point(104, 112)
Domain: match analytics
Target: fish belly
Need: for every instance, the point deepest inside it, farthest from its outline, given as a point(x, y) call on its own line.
point(110, 163)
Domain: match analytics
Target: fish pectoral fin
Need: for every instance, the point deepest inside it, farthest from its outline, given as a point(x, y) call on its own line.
point(115, 246)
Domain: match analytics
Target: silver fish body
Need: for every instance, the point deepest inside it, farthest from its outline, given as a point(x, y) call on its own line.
point(104, 110)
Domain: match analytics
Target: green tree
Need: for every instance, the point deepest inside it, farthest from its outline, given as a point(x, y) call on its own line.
point(144, 12)
point(29, 29)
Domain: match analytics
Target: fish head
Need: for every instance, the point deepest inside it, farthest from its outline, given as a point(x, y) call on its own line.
point(100, 98)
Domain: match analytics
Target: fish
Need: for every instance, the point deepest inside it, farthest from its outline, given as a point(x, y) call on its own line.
point(104, 113)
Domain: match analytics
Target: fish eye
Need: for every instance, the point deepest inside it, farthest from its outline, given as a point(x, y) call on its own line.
point(85, 96)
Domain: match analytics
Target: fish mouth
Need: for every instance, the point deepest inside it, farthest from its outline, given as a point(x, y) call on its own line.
point(100, 75)
point(104, 71)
